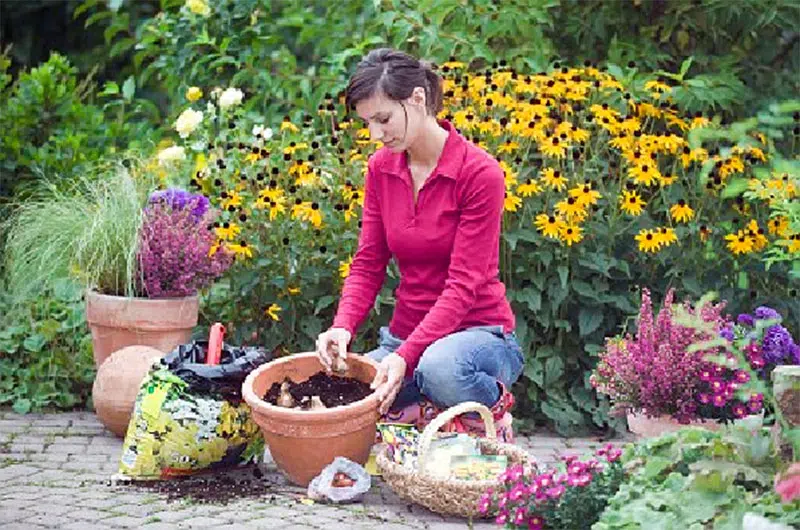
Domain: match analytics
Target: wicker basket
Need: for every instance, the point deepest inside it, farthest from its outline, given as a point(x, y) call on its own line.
point(449, 496)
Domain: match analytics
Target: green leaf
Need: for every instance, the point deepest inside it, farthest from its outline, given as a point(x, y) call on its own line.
point(563, 274)
point(532, 298)
point(128, 89)
point(589, 319)
point(34, 343)
point(734, 188)
point(554, 369)
point(22, 406)
point(323, 302)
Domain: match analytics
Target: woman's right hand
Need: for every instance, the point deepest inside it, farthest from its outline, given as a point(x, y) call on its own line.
point(332, 344)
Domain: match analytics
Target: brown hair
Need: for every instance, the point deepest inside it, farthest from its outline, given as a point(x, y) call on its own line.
point(394, 74)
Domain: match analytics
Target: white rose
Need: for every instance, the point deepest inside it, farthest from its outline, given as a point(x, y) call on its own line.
point(171, 154)
point(188, 121)
point(231, 96)
point(262, 132)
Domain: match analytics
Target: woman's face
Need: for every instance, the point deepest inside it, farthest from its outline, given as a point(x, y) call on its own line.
point(395, 123)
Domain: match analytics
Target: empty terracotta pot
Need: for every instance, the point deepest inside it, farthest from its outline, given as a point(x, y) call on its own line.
point(303, 442)
point(118, 321)
point(117, 384)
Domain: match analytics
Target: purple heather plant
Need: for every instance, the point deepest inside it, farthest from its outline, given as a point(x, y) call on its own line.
point(654, 372)
point(175, 255)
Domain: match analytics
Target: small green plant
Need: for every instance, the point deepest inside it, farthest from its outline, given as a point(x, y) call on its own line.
point(45, 351)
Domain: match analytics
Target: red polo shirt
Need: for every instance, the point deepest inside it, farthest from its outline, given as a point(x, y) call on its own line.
point(446, 247)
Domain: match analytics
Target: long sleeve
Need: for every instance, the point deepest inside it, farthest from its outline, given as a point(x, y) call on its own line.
point(478, 231)
point(368, 270)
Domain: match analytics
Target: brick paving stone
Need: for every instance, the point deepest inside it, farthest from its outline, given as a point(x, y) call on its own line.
point(22, 526)
point(268, 523)
point(172, 516)
point(200, 522)
point(48, 508)
point(12, 515)
point(122, 521)
point(89, 514)
point(16, 470)
point(136, 510)
point(158, 525)
point(50, 521)
point(85, 525)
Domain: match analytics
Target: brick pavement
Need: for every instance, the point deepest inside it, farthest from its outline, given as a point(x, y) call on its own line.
point(55, 471)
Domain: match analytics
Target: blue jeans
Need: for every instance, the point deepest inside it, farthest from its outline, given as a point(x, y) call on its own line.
point(463, 366)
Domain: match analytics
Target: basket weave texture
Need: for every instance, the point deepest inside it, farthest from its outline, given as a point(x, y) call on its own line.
point(449, 496)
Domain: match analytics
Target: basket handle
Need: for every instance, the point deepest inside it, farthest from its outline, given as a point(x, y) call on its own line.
point(439, 421)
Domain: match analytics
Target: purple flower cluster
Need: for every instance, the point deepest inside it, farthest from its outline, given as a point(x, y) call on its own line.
point(530, 497)
point(765, 340)
point(178, 199)
point(654, 372)
point(175, 257)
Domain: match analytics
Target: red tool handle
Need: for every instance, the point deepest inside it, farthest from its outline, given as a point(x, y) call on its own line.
point(214, 353)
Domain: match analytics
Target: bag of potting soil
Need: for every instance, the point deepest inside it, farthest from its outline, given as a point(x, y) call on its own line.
point(190, 416)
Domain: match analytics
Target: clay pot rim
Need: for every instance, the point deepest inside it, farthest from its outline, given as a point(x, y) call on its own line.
point(97, 294)
point(260, 406)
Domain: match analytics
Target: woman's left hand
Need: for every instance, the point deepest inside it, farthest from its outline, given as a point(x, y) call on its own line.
point(389, 380)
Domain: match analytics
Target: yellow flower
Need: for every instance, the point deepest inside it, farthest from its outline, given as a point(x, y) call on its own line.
point(571, 209)
point(214, 248)
point(227, 230)
point(778, 225)
point(553, 147)
point(293, 291)
point(665, 236)
point(549, 225)
point(648, 242)
point(740, 242)
point(757, 234)
point(344, 267)
point(644, 173)
point(681, 212)
point(272, 312)
point(553, 179)
point(584, 194)
point(508, 147)
point(530, 187)
point(240, 250)
point(792, 244)
point(453, 64)
point(287, 125)
point(193, 94)
point(511, 202)
point(198, 7)
point(657, 86)
point(231, 198)
point(571, 234)
point(631, 203)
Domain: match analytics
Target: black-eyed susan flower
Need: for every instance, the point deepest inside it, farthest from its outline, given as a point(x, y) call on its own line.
point(665, 236)
point(549, 225)
point(230, 198)
point(631, 203)
point(240, 250)
point(528, 188)
point(287, 125)
point(553, 147)
point(571, 234)
point(585, 194)
point(508, 146)
point(648, 242)
point(293, 291)
point(227, 230)
point(344, 267)
point(571, 210)
point(511, 202)
point(645, 173)
point(740, 242)
point(698, 121)
point(553, 179)
point(778, 225)
point(681, 212)
point(757, 234)
point(792, 243)
point(273, 312)
point(657, 87)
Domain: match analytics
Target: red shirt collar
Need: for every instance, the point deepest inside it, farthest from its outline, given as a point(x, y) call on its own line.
point(450, 161)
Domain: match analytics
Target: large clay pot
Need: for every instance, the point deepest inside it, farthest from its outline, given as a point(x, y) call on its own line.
point(303, 442)
point(644, 427)
point(118, 321)
point(117, 384)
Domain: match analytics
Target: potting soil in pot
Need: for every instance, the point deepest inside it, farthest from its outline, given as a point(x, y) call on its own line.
point(332, 390)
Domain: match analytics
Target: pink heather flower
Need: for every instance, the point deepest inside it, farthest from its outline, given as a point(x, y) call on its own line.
point(520, 515)
point(535, 523)
point(555, 492)
point(502, 517)
point(787, 484)
point(517, 492)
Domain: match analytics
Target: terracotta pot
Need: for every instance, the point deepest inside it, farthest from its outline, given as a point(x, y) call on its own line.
point(644, 427)
point(117, 384)
point(786, 387)
point(118, 321)
point(302, 442)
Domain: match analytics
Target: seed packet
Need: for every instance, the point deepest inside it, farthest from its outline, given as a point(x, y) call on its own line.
point(477, 467)
point(442, 449)
point(402, 439)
